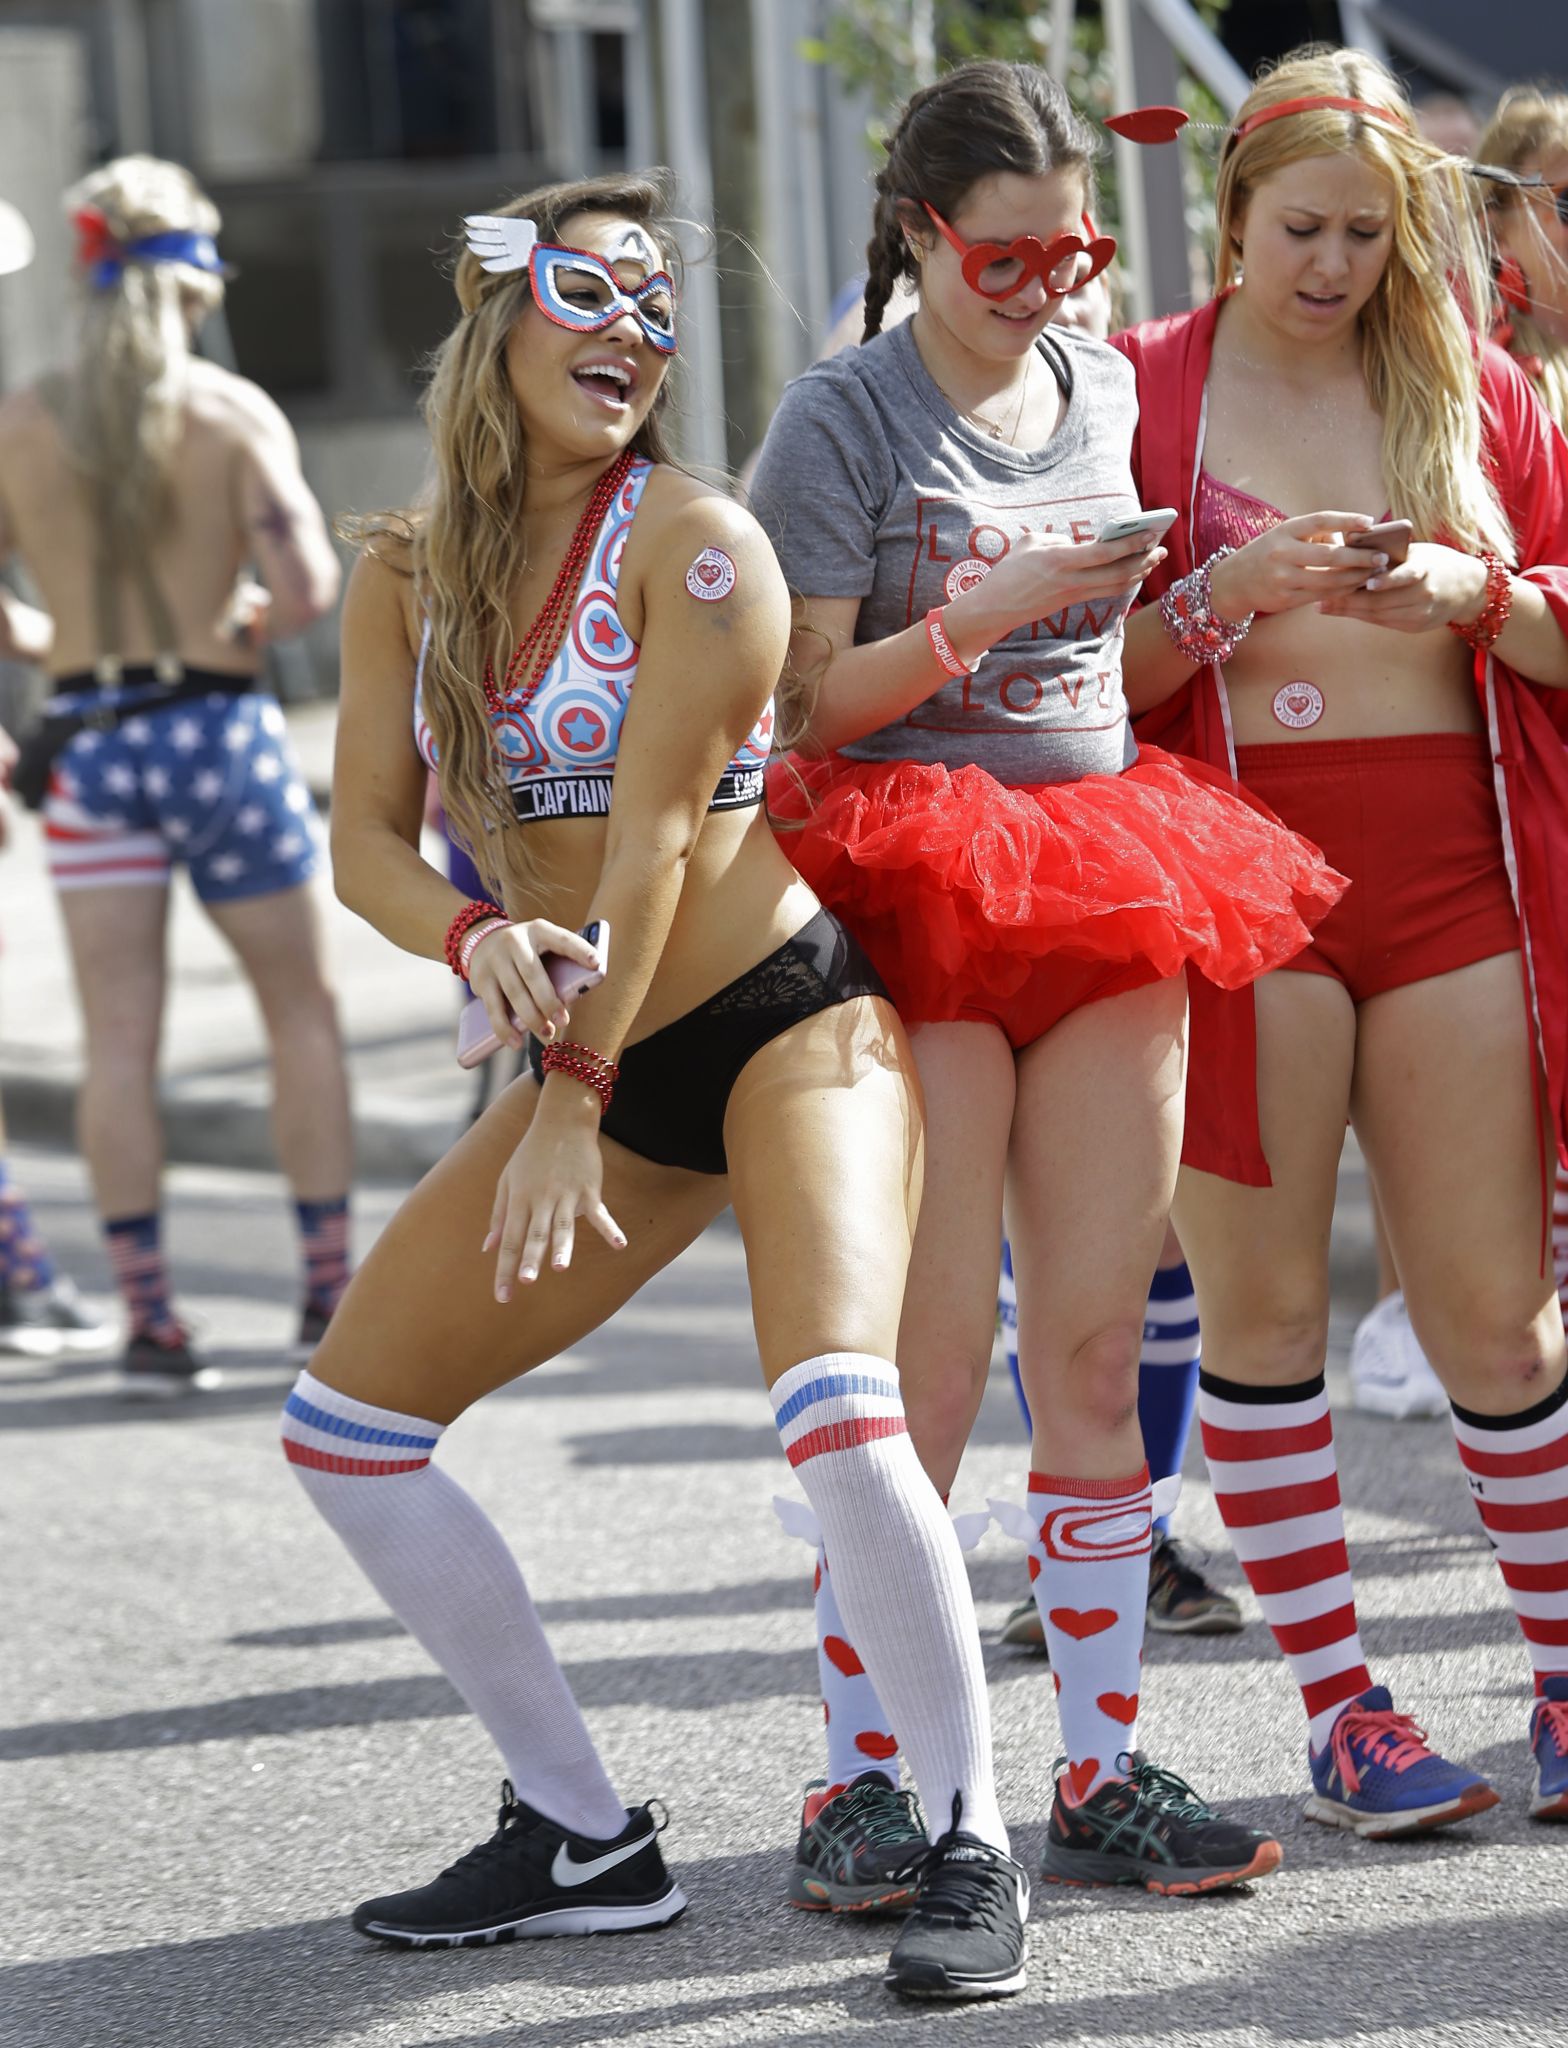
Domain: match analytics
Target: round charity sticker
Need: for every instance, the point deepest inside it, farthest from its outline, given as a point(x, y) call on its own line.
point(711, 576)
point(965, 576)
point(1298, 704)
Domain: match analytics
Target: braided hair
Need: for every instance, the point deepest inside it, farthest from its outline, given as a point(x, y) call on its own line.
point(976, 122)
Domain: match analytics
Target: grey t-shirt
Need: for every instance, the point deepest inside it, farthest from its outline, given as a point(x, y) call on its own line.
point(871, 485)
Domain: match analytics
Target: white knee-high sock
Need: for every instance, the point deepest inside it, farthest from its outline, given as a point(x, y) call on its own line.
point(899, 1576)
point(439, 1563)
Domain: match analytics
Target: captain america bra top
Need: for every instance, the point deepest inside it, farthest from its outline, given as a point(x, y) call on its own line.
point(558, 746)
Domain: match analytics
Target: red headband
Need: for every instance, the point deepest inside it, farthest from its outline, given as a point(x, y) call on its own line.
point(1163, 124)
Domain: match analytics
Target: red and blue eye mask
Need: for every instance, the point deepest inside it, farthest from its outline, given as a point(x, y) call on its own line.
point(579, 290)
point(576, 288)
point(998, 270)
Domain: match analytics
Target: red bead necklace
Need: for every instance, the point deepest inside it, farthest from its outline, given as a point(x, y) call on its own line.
point(533, 654)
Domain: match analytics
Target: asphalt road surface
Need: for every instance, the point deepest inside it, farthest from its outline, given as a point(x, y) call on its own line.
point(213, 1741)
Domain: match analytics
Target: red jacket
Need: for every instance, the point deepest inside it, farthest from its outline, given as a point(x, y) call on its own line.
point(1527, 722)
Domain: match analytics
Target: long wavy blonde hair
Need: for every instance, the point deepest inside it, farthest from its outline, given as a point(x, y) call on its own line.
point(124, 395)
point(1527, 126)
point(1419, 348)
point(466, 534)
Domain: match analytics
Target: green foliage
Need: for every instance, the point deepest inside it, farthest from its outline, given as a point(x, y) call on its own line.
point(887, 48)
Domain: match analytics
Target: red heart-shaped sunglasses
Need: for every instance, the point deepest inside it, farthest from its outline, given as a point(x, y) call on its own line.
point(998, 271)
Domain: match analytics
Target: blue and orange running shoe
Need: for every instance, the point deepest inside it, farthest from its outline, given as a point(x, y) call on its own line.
point(1376, 1776)
point(1549, 1742)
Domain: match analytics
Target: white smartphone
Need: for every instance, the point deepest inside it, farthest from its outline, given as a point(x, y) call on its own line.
point(1142, 525)
point(476, 1041)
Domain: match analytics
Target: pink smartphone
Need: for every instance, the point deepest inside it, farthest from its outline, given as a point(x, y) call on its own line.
point(475, 1039)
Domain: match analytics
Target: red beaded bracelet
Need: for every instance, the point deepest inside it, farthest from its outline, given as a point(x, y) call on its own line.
point(582, 1063)
point(1483, 629)
point(464, 922)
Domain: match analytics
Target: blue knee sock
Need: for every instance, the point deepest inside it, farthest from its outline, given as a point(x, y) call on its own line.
point(1168, 1373)
point(1007, 1310)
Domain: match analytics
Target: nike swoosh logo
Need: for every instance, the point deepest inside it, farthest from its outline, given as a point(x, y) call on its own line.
point(566, 1871)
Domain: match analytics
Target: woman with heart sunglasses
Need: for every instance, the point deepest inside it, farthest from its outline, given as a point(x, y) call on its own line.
point(968, 798)
point(583, 642)
point(1410, 717)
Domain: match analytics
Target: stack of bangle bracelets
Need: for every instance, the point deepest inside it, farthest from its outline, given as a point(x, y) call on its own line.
point(1190, 619)
point(1482, 631)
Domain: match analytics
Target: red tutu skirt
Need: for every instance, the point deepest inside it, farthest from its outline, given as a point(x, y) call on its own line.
point(976, 900)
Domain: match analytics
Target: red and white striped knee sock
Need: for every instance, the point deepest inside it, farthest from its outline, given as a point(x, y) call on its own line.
point(1276, 1484)
point(855, 1720)
point(1517, 1466)
point(440, 1564)
point(1092, 1589)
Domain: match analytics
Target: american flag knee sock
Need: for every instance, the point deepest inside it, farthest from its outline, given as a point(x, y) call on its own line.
point(25, 1264)
point(898, 1574)
point(1092, 1590)
point(439, 1563)
point(141, 1273)
point(323, 1243)
point(1517, 1466)
point(1276, 1484)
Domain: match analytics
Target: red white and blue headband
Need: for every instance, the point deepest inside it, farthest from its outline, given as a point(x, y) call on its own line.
point(577, 288)
point(103, 256)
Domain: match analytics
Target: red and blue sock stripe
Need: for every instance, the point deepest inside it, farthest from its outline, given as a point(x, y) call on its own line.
point(330, 1432)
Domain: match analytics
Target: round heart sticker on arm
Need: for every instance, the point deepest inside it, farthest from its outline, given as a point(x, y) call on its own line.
point(711, 576)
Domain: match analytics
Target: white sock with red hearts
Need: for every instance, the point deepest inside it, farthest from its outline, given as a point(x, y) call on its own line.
point(854, 1719)
point(1091, 1589)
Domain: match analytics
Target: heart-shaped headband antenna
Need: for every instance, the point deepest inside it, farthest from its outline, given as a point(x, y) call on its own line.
point(1151, 126)
point(502, 242)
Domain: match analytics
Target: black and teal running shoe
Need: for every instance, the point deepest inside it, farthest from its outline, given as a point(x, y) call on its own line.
point(1150, 1828)
point(857, 1845)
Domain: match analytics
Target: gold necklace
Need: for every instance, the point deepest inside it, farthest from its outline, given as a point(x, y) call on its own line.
point(990, 425)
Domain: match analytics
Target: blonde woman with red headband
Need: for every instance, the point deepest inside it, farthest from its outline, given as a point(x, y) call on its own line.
point(1361, 618)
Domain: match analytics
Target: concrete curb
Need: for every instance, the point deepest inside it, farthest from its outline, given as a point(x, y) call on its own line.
point(213, 1125)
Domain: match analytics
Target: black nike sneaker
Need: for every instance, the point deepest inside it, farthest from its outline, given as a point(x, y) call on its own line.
point(1151, 1829)
point(858, 1848)
point(964, 1937)
point(534, 1878)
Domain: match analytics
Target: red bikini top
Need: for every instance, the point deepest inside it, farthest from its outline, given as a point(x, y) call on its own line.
point(1228, 517)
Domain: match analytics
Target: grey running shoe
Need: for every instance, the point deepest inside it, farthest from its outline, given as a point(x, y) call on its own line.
point(859, 1848)
point(964, 1937)
point(151, 1371)
point(1023, 1627)
point(50, 1322)
point(1182, 1602)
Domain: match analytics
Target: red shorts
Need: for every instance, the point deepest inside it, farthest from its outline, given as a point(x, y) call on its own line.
point(1413, 822)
